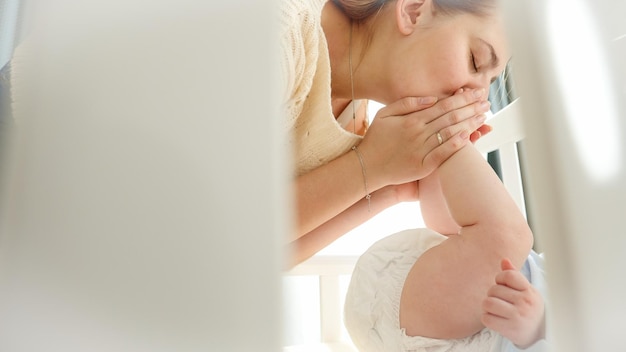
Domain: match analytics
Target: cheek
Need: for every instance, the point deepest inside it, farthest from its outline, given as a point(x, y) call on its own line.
point(447, 77)
point(440, 74)
point(451, 83)
point(452, 74)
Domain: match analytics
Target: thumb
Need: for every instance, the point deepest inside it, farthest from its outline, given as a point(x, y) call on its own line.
point(506, 264)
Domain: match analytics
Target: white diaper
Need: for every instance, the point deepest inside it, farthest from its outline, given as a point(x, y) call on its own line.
point(373, 299)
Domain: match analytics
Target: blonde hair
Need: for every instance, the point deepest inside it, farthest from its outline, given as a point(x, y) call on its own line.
point(360, 10)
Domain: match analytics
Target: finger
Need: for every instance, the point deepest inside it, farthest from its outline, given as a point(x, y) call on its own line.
point(457, 101)
point(465, 119)
point(513, 279)
point(506, 264)
point(484, 129)
point(496, 323)
point(406, 106)
point(441, 152)
point(493, 321)
point(480, 132)
point(475, 136)
point(498, 307)
point(505, 293)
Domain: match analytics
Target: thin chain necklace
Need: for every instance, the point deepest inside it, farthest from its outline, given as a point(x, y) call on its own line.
point(352, 81)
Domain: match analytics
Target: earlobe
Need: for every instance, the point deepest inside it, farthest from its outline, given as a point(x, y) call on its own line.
point(408, 13)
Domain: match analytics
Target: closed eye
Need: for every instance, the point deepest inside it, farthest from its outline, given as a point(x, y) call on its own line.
point(473, 62)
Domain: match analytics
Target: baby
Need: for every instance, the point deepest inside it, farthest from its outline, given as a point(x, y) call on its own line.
point(421, 290)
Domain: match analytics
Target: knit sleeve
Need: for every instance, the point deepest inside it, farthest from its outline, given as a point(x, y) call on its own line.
point(299, 53)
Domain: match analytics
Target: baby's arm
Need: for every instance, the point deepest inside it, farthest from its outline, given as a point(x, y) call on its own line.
point(514, 308)
point(445, 288)
point(433, 206)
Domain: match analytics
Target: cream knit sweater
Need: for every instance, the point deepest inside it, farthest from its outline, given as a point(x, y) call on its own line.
point(314, 135)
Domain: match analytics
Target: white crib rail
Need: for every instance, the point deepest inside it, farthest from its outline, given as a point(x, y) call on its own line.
point(507, 131)
point(325, 265)
point(328, 269)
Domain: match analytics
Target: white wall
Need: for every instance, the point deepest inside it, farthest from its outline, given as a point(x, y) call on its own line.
point(569, 67)
point(144, 206)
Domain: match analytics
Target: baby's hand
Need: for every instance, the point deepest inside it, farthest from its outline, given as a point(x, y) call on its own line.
point(481, 131)
point(514, 308)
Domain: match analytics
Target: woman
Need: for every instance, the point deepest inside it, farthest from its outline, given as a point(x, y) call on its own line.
point(410, 55)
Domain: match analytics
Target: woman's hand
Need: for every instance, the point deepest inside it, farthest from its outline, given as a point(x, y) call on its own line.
point(402, 144)
point(480, 131)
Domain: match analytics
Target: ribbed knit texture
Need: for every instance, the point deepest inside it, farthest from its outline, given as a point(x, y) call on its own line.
point(314, 135)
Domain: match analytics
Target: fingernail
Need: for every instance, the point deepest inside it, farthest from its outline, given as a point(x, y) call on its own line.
point(482, 118)
point(485, 105)
point(479, 92)
point(427, 100)
point(464, 135)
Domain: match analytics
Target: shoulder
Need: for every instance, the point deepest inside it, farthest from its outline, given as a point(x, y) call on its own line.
point(294, 11)
point(300, 24)
point(299, 17)
point(300, 35)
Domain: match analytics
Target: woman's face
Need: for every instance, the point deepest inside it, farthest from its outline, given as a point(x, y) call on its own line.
point(447, 53)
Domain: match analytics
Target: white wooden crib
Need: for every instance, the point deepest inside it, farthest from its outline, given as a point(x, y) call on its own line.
point(329, 269)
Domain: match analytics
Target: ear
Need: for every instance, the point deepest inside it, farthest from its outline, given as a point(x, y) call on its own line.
point(408, 13)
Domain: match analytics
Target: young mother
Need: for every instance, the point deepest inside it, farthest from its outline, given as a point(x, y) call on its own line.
point(412, 56)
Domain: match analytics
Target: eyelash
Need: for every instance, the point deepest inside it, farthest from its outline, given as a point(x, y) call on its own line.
point(473, 60)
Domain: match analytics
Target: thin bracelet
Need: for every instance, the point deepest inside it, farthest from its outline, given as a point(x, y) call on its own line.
point(368, 196)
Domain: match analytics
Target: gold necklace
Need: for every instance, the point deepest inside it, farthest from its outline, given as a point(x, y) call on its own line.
point(352, 80)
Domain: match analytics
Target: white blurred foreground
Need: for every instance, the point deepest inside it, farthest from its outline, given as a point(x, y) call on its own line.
point(142, 208)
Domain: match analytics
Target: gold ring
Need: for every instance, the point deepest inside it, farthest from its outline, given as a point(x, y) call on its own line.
point(439, 138)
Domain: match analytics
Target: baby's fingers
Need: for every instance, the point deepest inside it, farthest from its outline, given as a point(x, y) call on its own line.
point(506, 264)
point(480, 131)
point(513, 279)
point(498, 308)
point(505, 293)
point(501, 325)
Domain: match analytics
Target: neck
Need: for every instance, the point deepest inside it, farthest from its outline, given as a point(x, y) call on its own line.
point(336, 26)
